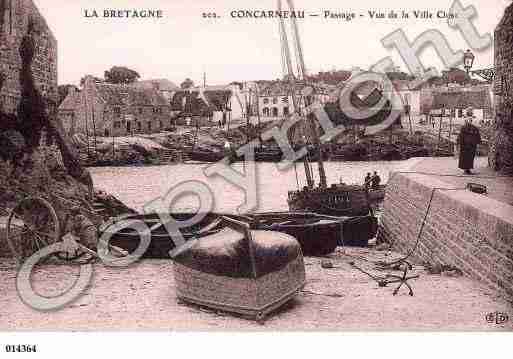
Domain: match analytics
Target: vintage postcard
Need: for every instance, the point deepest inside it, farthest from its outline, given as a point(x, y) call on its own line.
point(277, 165)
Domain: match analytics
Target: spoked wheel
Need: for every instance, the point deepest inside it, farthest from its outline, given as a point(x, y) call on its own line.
point(32, 226)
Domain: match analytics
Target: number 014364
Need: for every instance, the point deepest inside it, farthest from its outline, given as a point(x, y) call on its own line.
point(30, 348)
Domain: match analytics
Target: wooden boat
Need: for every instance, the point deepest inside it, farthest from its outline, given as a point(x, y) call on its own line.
point(356, 152)
point(337, 200)
point(249, 272)
point(318, 234)
point(263, 154)
point(206, 155)
point(377, 194)
point(161, 241)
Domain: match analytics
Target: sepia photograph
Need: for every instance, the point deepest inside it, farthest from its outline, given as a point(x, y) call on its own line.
point(255, 166)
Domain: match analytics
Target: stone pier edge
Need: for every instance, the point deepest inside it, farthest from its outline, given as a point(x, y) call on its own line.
point(466, 230)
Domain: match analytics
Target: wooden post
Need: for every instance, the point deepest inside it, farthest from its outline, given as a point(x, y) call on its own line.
point(450, 127)
point(439, 133)
point(411, 125)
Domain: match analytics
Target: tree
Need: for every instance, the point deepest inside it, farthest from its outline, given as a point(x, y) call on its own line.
point(188, 83)
point(121, 75)
point(63, 91)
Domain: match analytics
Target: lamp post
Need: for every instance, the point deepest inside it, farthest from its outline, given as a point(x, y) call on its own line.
point(468, 60)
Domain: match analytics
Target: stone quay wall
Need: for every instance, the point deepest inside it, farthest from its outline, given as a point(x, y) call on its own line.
point(469, 231)
point(501, 149)
point(14, 19)
point(4, 248)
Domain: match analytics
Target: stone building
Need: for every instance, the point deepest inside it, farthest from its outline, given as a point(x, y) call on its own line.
point(164, 86)
point(459, 105)
point(15, 17)
point(501, 151)
point(208, 105)
point(106, 109)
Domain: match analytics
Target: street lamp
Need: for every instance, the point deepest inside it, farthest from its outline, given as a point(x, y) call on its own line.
point(468, 60)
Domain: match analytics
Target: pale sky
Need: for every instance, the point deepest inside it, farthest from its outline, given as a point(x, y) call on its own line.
point(183, 44)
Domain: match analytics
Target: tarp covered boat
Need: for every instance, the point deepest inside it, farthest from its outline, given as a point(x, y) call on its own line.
point(240, 270)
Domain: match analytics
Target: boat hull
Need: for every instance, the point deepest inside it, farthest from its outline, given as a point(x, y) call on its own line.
point(202, 155)
point(161, 241)
point(334, 201)
point(318, 234)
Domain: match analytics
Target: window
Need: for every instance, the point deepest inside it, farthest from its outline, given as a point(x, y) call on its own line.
point(117, 124)
point(149, 125)
point(161, 124)
point(266, 101)
point(117, 110)
point(275, 111)
point(275, 100)
point(285, 111)
point(265, 111)
point(470, 112)
point(140, 111)
point(460, 112)
point(285, 100)
point(139, 126)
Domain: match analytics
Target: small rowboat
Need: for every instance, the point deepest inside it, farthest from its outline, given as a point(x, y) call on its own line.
point(317, 234)
point(162, 242)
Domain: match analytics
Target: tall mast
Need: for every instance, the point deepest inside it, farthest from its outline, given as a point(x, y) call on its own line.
point(292, 81)
point(257, 95)
point(308, 99)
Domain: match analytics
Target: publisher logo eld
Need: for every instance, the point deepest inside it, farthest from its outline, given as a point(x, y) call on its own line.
point(497, 318)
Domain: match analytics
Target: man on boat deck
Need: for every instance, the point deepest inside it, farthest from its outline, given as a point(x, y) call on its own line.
point(375, 180)
point(367, 180)
point(468, 140)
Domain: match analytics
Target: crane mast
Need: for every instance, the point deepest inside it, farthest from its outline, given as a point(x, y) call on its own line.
point(301, 75)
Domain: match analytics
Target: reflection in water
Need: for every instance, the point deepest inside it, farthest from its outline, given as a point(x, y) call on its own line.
point(136, 186)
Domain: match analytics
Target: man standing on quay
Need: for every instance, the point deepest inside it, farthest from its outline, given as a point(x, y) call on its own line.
point(468, 140)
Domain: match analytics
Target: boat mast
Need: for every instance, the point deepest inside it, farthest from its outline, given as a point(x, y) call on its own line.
point(310, 120)
point(287, 62)
point(257, 94)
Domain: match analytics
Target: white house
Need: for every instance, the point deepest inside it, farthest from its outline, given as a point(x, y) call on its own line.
point(462, 104)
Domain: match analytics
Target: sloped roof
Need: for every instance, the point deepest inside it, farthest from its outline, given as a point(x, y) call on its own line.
point(463, 99)
point(277, 88)
point(157, 84)
point(331, 77)
point(399, 76)
point(71, 101)
point(129, 95)
point(195, 104)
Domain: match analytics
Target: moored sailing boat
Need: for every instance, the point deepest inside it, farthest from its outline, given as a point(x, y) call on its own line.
point(337, 199)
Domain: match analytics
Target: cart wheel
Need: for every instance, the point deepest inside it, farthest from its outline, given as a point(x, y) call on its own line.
point(32, 225)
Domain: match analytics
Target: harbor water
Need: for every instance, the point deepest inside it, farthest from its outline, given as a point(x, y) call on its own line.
point(137, 186)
